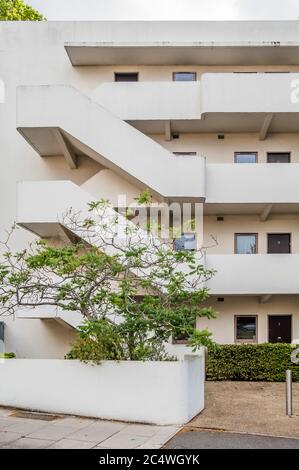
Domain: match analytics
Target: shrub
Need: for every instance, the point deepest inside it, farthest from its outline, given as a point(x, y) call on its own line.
point(99, 340)
point(252, 362)
point(7, 356)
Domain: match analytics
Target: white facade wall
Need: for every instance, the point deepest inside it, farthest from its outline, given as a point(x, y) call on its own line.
point(34, 55)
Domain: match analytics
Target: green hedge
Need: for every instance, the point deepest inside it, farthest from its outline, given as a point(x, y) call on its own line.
point(252, 362)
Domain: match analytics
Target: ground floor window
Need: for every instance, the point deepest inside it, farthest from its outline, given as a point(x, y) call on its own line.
point(246, 328)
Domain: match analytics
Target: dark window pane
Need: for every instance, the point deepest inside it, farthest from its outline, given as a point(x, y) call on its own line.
point(246, 244)
point(246, 328)
point(245, 157)
point(278, 157)
point(279, 243)
point(184, 153)
point(126, 77)
point(184, 76)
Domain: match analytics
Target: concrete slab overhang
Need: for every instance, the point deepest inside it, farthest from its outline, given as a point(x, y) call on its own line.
point(181, 54)
point(184, 43)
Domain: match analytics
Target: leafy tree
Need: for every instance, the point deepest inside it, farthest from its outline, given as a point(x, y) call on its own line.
point(132, 288)
point(17, 10)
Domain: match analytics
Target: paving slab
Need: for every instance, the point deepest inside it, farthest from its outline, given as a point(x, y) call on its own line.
point(141, 430)
point(98, 431)
point(28, 443)
point(52, 432)
point(75, 423)
point(26, 426)
point(72, 444)
point(6, 436)
point(71, 432)
point(123, 441)
point(5, 423)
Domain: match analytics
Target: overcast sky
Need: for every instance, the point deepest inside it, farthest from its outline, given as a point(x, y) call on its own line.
point(167, 9)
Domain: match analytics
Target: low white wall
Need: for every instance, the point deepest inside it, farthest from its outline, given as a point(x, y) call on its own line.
point(149, 392)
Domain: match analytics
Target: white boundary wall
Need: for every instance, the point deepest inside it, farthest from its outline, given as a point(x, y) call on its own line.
point(148, 392)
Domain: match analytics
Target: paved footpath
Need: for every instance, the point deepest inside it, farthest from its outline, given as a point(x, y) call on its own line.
point(21, 430)
point(196, 439)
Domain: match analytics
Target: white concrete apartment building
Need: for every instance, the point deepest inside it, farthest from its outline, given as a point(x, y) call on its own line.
point(195, 111)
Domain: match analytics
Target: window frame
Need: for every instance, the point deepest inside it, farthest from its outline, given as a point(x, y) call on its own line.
point(126, 73)
point(246, 153)
point(181, 72)
point(245, 341)
point(244, 234)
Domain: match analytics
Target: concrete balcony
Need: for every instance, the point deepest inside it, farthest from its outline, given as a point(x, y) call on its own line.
point(133, 101)
point(254, 274)
point(219, 102)
point(248, 93)
point(264, 183)
point(214, 93)
point(41, 206)
point(250, 102)
point(183, 43)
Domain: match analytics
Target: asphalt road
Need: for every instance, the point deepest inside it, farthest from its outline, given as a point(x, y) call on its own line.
point(196, 439)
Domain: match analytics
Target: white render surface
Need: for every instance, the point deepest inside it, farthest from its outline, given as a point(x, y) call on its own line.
point(161, 393)
point(150, 100)
point(253, 274)
point(252, 183)
point(248, 93)
point(213, 93)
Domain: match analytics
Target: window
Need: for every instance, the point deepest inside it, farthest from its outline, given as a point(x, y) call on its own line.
point(245, 157)
point(187, 242)
point(278, 157)
point(246, 243)
point(246, 329)
point(184, 153)
point(184, 76)
point(126, 77)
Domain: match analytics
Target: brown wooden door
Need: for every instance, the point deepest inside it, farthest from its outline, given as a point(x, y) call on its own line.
point(279, 243)
point(280, 328)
